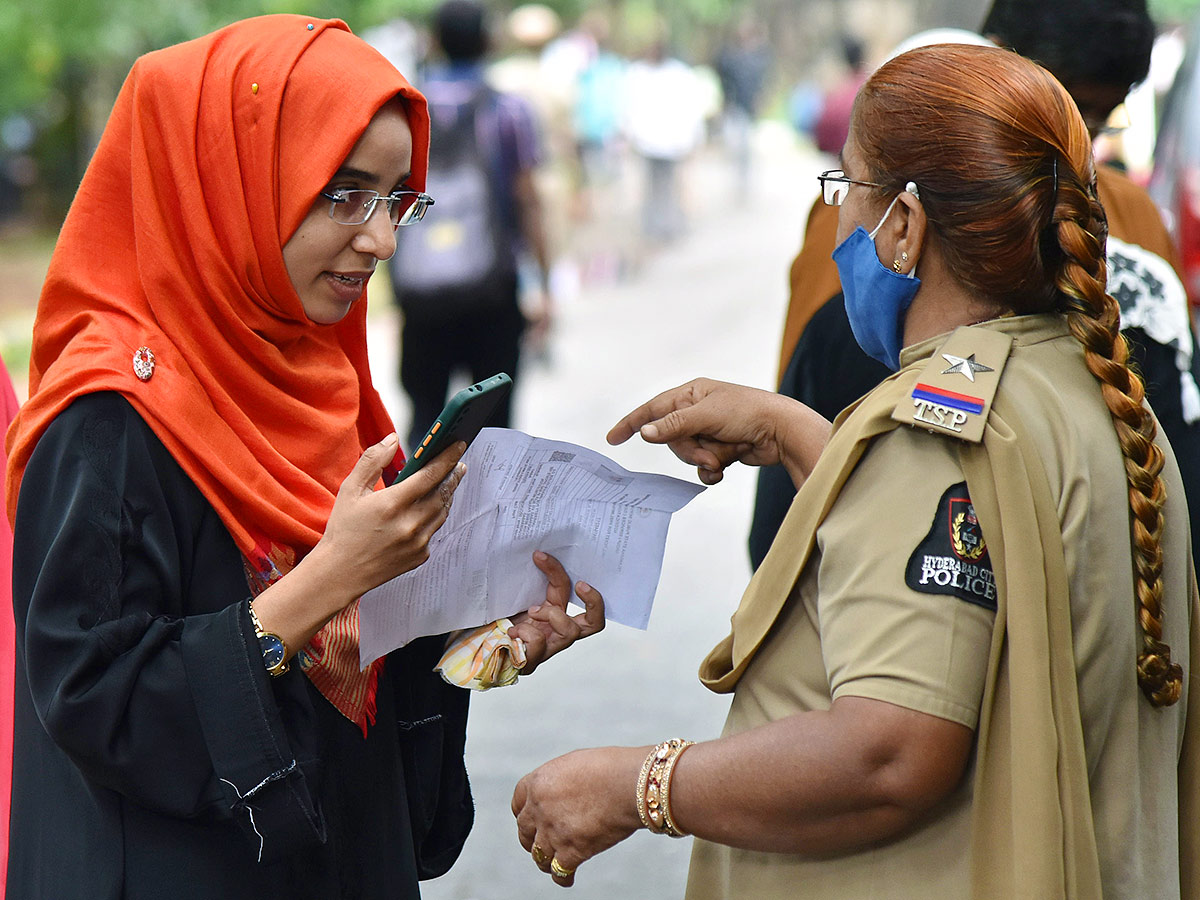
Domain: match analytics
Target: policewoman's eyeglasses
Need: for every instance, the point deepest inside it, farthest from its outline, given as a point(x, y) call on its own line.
point(835, 185)
point(355, 207)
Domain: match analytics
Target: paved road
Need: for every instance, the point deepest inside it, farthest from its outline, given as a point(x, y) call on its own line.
point(711, 305)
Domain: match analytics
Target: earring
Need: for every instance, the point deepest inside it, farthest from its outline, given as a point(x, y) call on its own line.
point(896, 264)
point(903, 256)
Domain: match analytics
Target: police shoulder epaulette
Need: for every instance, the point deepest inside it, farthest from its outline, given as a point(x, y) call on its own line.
point(953, 394)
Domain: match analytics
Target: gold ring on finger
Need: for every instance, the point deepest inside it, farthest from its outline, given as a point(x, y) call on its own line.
point(558, 870)
point(540, 858)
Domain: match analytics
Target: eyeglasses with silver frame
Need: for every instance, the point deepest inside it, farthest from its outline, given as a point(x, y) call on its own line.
point(835, 185)
point(356, 207)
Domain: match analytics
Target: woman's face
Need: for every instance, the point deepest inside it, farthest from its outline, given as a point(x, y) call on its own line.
point(329, 263)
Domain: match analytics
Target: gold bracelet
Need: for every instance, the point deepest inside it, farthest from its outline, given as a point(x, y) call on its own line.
point(669, 825)
point(654, 785)
point(643, 776)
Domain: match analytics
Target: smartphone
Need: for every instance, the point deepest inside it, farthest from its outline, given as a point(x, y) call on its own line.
point(460, 420)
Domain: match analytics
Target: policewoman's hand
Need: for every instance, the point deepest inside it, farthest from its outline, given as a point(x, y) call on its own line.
point(712, 424)
point(576, 806)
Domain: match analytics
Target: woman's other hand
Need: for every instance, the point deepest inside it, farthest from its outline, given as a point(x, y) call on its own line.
point(577, 806)
point(547, 628)
point(711, 424)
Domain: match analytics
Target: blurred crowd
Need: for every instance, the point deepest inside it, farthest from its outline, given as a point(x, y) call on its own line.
point(623, 110)
point(621, 120)
point(617, 128)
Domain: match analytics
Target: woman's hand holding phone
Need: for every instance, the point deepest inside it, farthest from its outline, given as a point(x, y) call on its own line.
point(371, 536)
point(375, 535)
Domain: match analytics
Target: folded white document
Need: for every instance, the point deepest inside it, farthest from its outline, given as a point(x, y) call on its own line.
point(605, 524)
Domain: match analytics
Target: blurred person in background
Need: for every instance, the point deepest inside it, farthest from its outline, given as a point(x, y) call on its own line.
point(601, 240)
point(457, 281)
point(664, 123)
point(966, 669)
point(1133, 143)
point(1098, 49)
point(804, 107)
point(535, 60)
point(599, 90)
point(742, 65)
point(833, 123)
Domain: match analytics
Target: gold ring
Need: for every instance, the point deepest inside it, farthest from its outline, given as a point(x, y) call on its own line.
point(558, 871)
point(539, 856)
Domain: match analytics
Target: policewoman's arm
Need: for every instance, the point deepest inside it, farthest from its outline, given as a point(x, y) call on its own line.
point(903, 645)
point(712, 424)
point(816, 782)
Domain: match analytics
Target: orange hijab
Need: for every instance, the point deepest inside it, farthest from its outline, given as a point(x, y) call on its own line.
point(214, 153)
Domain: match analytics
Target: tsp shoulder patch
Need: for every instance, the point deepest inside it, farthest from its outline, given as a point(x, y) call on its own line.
point(953, 558)
point(953, 393)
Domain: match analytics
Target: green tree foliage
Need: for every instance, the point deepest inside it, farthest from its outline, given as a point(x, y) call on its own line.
point(44, 38)
point(1172, 11)
point(62, 61)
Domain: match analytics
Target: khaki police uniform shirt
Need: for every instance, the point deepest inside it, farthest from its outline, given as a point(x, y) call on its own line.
point(894, 606)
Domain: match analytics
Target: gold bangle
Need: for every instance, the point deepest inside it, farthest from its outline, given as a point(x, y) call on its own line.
point(643, 776)
point(653, 785)
point(669, 826)
point(649, 798)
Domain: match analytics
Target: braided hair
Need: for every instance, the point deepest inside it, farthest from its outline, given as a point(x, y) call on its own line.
point(1015, 160)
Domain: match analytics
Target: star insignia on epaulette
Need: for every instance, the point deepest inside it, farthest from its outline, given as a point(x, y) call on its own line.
point(964, 366)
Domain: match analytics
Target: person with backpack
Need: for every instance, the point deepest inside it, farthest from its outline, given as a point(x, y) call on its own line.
point(457, 284)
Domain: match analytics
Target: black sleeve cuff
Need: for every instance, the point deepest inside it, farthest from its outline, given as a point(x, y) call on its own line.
point(267, 782)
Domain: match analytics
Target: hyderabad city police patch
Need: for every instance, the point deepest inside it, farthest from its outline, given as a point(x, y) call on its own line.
point(953, 558)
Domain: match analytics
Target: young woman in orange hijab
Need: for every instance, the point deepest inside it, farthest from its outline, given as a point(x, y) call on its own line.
point(202, 430)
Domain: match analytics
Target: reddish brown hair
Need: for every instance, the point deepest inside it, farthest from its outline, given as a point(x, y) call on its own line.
point(1009, 190)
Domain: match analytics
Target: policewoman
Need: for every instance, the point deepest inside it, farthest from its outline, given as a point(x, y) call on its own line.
point(962, 671)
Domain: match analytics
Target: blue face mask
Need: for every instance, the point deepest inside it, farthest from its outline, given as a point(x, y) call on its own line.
point(876, 297)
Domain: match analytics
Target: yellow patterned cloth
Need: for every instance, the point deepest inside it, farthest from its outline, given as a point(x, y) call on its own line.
point(482, 658)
